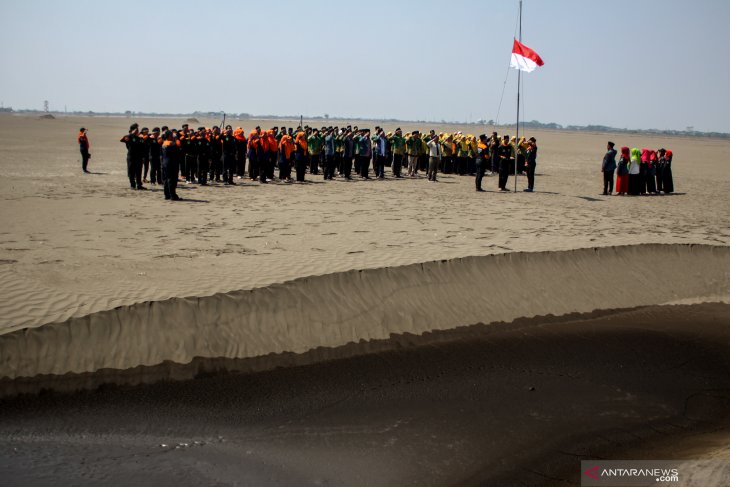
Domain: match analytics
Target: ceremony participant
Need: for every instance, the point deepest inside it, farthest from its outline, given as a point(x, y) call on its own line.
point(254, 141)
point(635, 172)
point(154, 156)
point(398, 147)
point(228, 147)
point(348, 151)
point(216, 154)
point(643, 170)
point(380, 153)
point(365, 151)
point(204, 151)
point(667, 180)
point(622, 174)
point(434, 157)
point(329, 154)
point(504, 152)
point(135, 148)
point(660, 162)
point(189, 145)
point(170, 152)
point(84, 146)
point(271, 148)
point(413, 148)
point(494, 152)
point(300, 154)
point(608, 166)
point(145, 136)
point(241, 149)
point(447, 154)
point(651, 173)
point(314, 145)
point(531, 164)
point(286, 151)
point(481, 162)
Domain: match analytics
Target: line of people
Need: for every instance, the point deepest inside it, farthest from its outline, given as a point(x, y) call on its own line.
point(638, 172)
point(203, 155)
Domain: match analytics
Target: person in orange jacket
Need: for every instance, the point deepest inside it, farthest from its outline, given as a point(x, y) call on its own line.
point(300, 154)
point(241, 148)
point(286, 150)
point(254, 150)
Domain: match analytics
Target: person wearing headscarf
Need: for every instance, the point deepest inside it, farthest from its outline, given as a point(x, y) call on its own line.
point(643, 170)
point(607, 168)
point(254, 143)
point(84, 146)
point(241, 149)
point(315, 143)
point(622, 174)
point(447, 153)
point(651, 173)
point(667, 180)
point(635, 172)
point(661, 160)
point(286, 151)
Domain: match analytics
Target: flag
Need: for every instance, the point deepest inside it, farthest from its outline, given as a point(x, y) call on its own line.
point(524, 58)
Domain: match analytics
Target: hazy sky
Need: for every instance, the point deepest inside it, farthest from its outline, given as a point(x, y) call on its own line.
point(625, 63)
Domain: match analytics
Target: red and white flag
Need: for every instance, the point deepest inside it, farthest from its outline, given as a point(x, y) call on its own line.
point(524, 58)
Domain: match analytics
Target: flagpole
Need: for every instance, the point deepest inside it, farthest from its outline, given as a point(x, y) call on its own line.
point(519, 78)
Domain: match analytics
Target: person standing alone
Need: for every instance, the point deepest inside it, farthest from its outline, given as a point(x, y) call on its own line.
point(608, 167)
point(84, 148)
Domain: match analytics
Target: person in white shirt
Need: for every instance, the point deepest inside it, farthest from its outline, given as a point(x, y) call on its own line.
point(434, 152)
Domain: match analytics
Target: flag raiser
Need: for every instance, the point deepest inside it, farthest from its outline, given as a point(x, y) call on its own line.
point(524, 58)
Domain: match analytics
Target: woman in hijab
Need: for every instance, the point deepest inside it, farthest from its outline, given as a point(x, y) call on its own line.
point(643, 169)
point(622, 175)
point(635, 172)
point(651, 173)
point(667, 181)
point(661, 160)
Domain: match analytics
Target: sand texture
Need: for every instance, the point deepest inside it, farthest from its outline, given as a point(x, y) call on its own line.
point(72, 244)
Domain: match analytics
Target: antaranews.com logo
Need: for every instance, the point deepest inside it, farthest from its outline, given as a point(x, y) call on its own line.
point(639, 473)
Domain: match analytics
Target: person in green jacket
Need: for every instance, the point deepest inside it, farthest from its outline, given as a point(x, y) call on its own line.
point(314, 144)
point(413, 149)
point(398, 146)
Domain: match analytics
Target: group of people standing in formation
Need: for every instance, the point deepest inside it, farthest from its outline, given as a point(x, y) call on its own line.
point(638, 172)
point(209, 154)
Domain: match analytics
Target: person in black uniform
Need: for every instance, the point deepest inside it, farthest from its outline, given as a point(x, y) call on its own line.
point(145, 136)
point(482, 161)
point(228, 145)
point(154, 155)
point(170, 152)
point(135, 147)
point(215, 155)
point(504, 152)
point(189, 145)
point(203, 148)
point(531, 164)
point(84, 148)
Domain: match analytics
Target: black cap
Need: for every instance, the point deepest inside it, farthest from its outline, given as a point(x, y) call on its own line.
point(133, 127)
point(611, 143)
point(155, 129)
point(82, 129)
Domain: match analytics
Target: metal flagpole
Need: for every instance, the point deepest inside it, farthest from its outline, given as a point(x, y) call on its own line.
point(519, 79)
